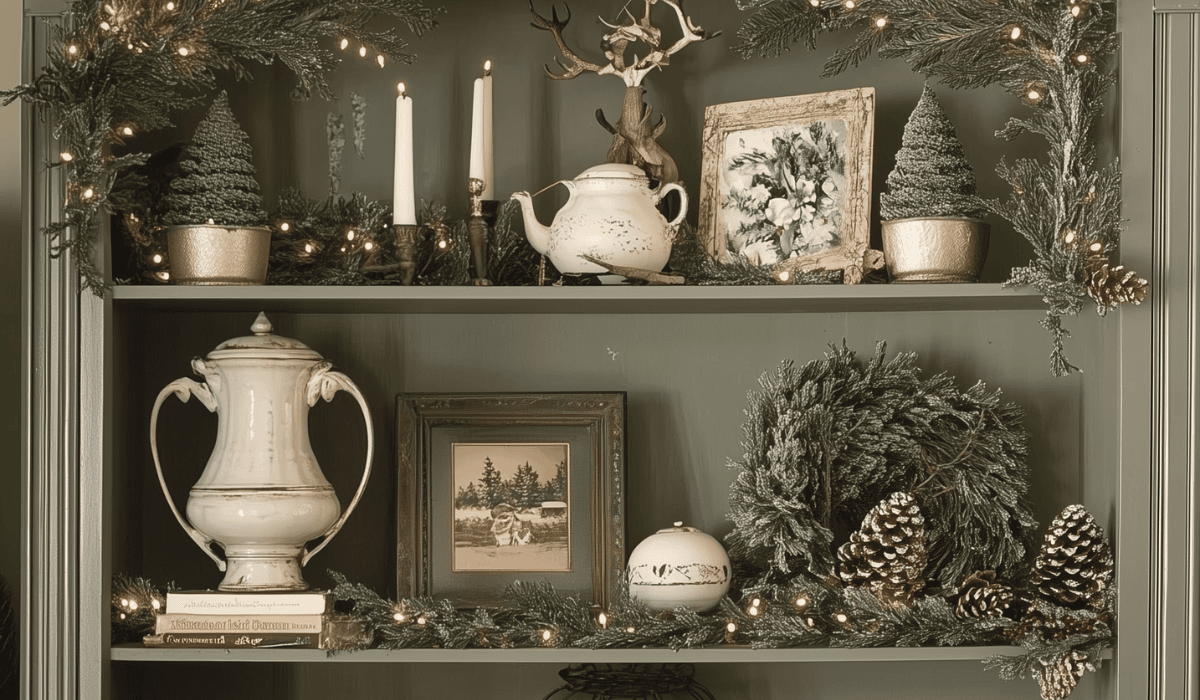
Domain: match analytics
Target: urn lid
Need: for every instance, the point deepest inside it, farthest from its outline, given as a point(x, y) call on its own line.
point(679, 527)
point(263, 345)
point(613, 171)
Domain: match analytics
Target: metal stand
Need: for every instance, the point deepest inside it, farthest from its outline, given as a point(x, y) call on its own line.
point(478, 229)
point(406, 249)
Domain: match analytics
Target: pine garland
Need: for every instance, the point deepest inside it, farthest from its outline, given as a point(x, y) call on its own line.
point(1045, 53)
point(824, 443)
point(127, 64)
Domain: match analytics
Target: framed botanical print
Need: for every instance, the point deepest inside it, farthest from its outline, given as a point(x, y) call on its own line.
point(497, 488)
point(787, 181)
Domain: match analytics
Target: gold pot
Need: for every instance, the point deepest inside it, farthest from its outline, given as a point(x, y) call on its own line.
point(207, 254)
point(935, 249)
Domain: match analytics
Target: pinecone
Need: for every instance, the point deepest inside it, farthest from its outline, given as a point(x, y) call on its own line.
point(1112, 286)
point(887, 555)
point(1058, 679)
point(1075, 565)
point(1052, 627)
point(980, 596)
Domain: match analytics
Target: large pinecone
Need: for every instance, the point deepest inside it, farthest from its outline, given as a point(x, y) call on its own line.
point(980, 596)
point(1112, 286)
point(1058, 679)
point(887, 555)
point(1075, 565)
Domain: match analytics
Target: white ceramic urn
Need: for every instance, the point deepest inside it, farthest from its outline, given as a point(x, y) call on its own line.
point(679, 566)
point(611, 215)
point(262, 495)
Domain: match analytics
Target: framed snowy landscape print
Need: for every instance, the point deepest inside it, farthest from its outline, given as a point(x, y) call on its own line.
point(786, 181)
point(497, 488)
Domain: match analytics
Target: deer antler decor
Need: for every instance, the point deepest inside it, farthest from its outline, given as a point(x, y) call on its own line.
point(635, 138)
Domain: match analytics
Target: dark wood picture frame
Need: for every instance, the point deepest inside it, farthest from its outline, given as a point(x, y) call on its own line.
point(596, 419)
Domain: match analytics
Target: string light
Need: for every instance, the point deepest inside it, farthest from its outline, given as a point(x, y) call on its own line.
point(1034, 94)
point(1096, 247)
point(155, 604)
point(88, 194)
point(814, 3)
point(602, 620)
point(381, 60)
point(351, 234)
point(343, 43)
point(66, 157)
point(784, 276)
point(368, 246)
point(1069, 235)
point(422, 620)
point(72, 50)
point(285, 226)
point(1076, 11)
point(801, 602)
point(880, 22)
point(170, 6)
point(547, 637)
point(630, 629)
point(842, 619)
point(157, 258)
point(105, 26)
point(1082, 58)
point(362, 52)
point(849, 4)
point(184, 51)
point(756, 607)
point(731, 628)
point(1014, 32)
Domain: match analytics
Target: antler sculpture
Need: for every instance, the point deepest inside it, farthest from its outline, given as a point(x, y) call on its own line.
point(635, 140)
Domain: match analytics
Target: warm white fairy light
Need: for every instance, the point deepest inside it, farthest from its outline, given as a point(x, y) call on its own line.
point(89, 193)
point(784, 276)
point(381, 60)
point(309, 249)
point(368, 245)
point(1082, 58)
point(66, 157)
point(602, 618)
point(362, 52)
point(422, 620)
point(285, 227)
point(881, 22)
point(1076, 11)
point(351, 234)
point(343, 44)
point(155, 604)
point(127, 131)
point(72, 50)
point(1096, 247)
point(1015, 31)
point(157, 258)
point(849, 4)
point(399, 617)
point(105, 26)
point(841, 618)
point(170, 6)
point(731, 627)
point(184, 51)
point(630, 629)
point(814, 3)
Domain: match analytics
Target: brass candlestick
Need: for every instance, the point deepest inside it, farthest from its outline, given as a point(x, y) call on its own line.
point(478, 229)
point(406, 249)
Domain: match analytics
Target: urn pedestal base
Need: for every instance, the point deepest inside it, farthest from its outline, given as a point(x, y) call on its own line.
point(263, 568)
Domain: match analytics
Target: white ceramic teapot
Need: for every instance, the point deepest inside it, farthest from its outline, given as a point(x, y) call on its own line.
point(610, 216)
point(262, 495)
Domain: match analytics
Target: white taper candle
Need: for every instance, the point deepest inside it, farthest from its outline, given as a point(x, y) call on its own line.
point(489, 170)
point(404, 204)
point(476, 169)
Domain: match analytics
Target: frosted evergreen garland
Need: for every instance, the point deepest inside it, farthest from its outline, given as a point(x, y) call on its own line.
point(1044, 52)
point(826, 442)
point(217, 184)
point(932, 176)
point(125, 65)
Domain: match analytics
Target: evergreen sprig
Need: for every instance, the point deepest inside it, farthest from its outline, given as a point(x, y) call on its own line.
point(130, 63)
point(1055, 54)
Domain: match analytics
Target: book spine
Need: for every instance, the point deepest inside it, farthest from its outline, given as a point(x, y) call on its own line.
point(201, 640)
point(248, 604)
point(246, 624)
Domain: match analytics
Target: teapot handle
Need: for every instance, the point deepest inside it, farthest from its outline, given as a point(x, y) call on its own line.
point(184, 389)
point(324, 384)
point(661, 193)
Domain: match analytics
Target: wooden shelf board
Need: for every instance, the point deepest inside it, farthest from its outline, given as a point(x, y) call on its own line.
point(135, 652)
point(581, 300)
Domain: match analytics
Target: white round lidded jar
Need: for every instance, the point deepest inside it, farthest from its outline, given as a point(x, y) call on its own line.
point(679, 566)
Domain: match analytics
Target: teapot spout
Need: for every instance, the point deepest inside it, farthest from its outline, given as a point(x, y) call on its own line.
point(535, 231)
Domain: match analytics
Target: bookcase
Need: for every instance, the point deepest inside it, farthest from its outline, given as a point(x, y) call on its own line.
point(1117, 438)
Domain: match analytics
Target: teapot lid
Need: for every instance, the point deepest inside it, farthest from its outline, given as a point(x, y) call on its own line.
point(263, 344)
point(613, 171)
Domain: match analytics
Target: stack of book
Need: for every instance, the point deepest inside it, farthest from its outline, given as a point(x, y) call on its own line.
point(217, 620)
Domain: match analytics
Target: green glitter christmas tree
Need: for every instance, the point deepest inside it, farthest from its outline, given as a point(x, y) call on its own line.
point(217, 185)
point(932, 176)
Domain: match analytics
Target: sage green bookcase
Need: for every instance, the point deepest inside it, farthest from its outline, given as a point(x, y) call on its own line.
point(1119, 438)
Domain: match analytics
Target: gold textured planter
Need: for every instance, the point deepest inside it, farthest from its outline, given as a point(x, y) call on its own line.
point(935, 249)
point(207, 254)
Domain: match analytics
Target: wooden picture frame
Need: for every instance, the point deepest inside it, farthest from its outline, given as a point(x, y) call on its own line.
point(771, 190)
point(445, 523)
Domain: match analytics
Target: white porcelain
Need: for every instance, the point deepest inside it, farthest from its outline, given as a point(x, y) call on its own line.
point(610, 216)
point(679, 566)
point(262, 495)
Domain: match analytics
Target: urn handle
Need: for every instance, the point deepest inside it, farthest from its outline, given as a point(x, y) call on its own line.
point(323, 384)
point(661, 194)
point(184, 389)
